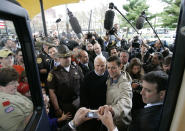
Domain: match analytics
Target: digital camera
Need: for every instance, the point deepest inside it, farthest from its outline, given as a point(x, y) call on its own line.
point(92, 114)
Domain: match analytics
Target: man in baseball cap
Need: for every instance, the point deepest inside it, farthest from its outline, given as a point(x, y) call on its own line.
point(6, 58)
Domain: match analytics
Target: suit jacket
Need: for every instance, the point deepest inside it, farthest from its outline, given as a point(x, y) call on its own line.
point(86, 69)
point(146, 119)
point(66, 127)
point(105, 54)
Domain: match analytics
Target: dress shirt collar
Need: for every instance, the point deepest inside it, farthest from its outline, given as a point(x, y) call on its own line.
point(67, 68)
point(98, 74)
point(154, 104)
point(115, 81)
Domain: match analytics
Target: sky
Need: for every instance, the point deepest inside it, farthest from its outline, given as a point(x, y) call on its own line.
point(155, 6)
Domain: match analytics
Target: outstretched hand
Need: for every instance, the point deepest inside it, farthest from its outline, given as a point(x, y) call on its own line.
point(65, 117)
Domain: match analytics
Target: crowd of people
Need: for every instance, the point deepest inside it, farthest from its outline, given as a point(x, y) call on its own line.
point(122, 82)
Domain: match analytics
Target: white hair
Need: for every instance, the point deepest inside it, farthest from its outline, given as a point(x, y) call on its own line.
point(100, 57)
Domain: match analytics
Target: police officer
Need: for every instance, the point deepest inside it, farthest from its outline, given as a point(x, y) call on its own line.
point(64, 83)
point(45, 62)
point(15, 109)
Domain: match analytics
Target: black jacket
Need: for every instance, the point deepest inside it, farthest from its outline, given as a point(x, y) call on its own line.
point(86, 69)
point(146, 119)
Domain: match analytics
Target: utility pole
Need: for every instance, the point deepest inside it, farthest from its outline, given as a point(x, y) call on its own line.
point(43, 18)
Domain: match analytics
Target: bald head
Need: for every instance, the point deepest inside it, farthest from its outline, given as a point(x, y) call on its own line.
point(100, 65)
point(84, 58)
point(100, 58)
point(97, 48)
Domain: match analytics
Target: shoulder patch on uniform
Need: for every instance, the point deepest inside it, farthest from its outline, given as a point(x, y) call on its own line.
point(9, 109)
point(6, 103)
point(50, 77)
point(39, 60)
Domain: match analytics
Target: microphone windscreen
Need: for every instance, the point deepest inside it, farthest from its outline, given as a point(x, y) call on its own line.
point(109, 19)
point(75, 25)
point(79, 36)
point(140, 22)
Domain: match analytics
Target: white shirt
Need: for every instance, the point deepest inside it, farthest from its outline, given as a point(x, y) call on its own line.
point(86, 64)
point(155, 104)
point(98, 74)
point(115, 129)
point(100, 54)
point(67, 68)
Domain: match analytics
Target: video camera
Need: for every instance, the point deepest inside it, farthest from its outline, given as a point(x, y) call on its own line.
point(136, 52)
point(136, 42)
point(112, 31)
point(89, 35)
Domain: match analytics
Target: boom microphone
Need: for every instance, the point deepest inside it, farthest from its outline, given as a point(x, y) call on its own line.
point(74, 24)
point(140, 22)
point(109, 19)
point(58, 20)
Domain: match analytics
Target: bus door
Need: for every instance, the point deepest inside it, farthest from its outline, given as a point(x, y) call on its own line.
point(17, 38)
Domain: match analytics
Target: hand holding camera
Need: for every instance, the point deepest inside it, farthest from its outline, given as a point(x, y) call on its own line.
point(107, 117)
point(92, 114)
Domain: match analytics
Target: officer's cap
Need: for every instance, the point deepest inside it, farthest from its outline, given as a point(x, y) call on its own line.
point(5, 52)
point(63, 51)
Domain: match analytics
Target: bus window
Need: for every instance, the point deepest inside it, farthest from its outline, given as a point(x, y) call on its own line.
point(16, 104)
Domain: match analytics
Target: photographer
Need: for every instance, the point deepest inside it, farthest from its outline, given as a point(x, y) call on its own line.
point(155, 62)
point(134, 50)
point(114, 37)
point(93, 37)
point(136, 72)
point(90, 37)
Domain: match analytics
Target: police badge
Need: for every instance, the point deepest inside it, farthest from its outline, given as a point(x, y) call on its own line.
point(50, 77)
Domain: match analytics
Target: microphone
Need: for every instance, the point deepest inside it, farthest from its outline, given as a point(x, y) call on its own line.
point(109, 19)
point(140, 21)
point(58, 20)
point(74, 24)
point(78, 35)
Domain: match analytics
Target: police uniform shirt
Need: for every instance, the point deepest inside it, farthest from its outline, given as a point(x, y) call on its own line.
point(44, 61)
point(65, 84)
point(13, 111)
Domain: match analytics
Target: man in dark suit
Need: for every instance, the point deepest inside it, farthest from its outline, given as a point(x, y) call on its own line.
point(153, 93)
point(98, 51)
point(84, 63)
